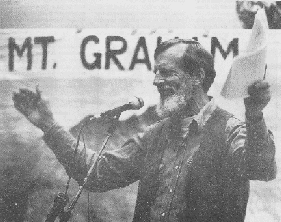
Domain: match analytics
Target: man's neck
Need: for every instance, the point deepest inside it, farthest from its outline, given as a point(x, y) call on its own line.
point(195, 104)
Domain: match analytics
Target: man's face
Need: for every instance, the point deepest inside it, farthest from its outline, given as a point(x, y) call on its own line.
point(174, 85)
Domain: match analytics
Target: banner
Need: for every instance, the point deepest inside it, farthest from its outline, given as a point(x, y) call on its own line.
point(115, 54)
point(67, 53)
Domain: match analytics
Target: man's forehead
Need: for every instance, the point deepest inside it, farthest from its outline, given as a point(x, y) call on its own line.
point(176, 50)
point(172, 54)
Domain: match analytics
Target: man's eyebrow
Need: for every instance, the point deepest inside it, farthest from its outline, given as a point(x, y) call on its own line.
point(167, 70)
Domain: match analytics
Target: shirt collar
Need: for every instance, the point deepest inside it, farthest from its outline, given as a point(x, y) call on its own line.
point(201, 118)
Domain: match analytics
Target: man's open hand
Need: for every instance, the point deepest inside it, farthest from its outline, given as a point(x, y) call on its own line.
point(34, 108)
point(259, 97)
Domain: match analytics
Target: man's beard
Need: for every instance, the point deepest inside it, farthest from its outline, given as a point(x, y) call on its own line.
point(172, 105)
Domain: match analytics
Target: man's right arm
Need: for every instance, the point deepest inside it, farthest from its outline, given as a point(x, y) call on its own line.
point(115, 169)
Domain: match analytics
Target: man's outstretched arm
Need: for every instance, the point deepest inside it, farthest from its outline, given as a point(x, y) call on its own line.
point(115, 169)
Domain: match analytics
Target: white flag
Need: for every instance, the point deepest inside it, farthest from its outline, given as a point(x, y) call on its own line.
point(250, 66)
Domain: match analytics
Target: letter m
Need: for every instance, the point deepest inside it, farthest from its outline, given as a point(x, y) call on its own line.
point(14, 47)
point(233, 45)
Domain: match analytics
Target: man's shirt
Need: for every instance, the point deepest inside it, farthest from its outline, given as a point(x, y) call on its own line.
point(119, 168)
point(174, 168)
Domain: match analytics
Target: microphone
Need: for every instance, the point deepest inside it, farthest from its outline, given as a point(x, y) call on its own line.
point(132, 105)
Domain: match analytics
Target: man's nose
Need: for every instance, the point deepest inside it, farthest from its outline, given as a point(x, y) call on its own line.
point(158, 80)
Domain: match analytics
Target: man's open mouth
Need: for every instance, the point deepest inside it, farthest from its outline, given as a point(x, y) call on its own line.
point(166, 92)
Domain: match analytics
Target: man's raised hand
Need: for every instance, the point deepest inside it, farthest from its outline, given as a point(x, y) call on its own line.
point(259, 97)
point(34, 108)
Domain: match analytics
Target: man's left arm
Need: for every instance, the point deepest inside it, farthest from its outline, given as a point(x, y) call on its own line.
point(260, 153)
point(253, 148)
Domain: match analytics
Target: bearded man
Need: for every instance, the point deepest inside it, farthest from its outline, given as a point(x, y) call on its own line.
point(193, 165)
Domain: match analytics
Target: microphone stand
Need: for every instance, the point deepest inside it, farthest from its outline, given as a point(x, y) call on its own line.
point(60, 201)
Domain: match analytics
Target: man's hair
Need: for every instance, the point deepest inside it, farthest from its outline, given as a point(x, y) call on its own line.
point(194, 57)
